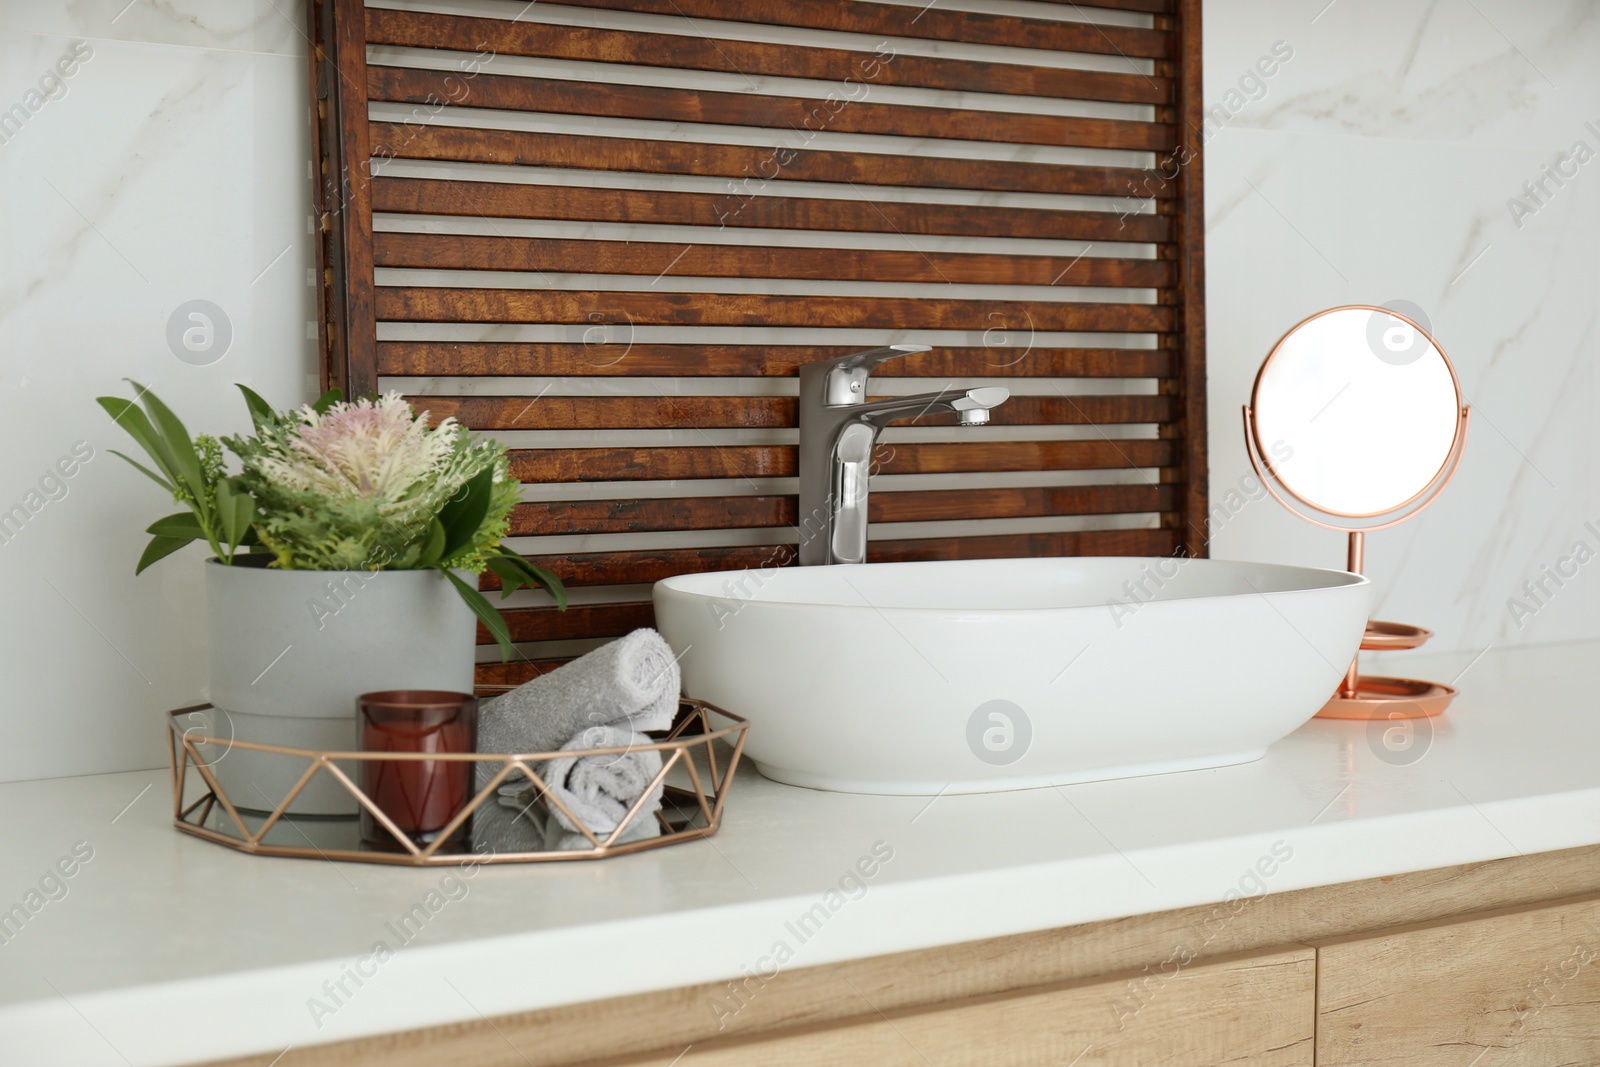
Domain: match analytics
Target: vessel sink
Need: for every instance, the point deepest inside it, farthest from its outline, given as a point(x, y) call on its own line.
point(977, 675)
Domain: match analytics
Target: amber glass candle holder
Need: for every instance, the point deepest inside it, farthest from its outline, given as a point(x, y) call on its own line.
point(420, 796)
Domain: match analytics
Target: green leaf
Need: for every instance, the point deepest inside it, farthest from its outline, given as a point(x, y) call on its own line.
point(485, 612)
point(159, 548)
point(512, 577)
point(432, 549)
point(236, 511)
point(327, 400)
point(528, 574)
point(130, 418)
point(244, 519)
point(464, 512)
point(185, 460)
point(260, 411)
point(183, 525)
point(152, 475)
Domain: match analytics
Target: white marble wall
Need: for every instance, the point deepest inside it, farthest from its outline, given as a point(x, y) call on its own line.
point(171, 167)
point(1377, 166)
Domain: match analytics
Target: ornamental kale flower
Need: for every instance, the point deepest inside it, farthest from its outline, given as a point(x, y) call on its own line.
point(358, 485)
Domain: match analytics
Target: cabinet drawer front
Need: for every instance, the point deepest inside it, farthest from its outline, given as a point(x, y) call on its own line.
point(1248, 1012)
point(1523, 985)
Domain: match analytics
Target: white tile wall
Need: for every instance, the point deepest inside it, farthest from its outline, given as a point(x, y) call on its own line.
point(173, 167)
point(1377, 166)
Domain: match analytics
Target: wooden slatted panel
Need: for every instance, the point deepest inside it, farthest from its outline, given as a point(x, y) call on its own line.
point(573, 239)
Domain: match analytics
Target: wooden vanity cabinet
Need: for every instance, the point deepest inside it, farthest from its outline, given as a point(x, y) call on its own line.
point(1517, 987)
point(1481, 965)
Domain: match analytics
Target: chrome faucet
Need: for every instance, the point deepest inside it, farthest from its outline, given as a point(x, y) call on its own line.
point(839, 428)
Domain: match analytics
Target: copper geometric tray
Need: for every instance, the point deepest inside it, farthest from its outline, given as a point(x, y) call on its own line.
point(691, 806)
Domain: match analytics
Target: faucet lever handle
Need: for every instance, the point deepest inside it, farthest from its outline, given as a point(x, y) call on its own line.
point(874, 356)
point(847, 375)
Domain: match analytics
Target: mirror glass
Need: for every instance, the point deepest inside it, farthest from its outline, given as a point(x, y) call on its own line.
point(1356, 411)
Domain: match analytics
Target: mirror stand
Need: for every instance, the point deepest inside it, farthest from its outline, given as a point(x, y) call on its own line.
point(1371, 696)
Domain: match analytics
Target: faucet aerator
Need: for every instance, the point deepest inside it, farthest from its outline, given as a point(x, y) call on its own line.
point(975, 417)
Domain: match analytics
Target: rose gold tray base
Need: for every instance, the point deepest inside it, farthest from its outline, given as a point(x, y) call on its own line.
point(1389, 636)
point(1389, 698)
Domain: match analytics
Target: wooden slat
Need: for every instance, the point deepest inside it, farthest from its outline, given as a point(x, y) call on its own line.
point(346, 202)
point(751, 512)
point(515, 672)
point(462, 144)
point(440, 304)
point(622, 358)
point(528, 38)
point(425, 196)
point(1015, 503)
point(756, 412)
point(579, 620)
point(622, 463)
point(1152, 6)
point(1189, 297)
point(545, 517)
point(557, 96)
point(651, 565)
point(913, 21)
point(445, 251)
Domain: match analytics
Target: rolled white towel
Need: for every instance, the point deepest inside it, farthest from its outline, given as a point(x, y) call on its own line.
point(632, 682)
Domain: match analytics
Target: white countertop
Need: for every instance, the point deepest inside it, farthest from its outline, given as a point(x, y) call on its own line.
point(166, 949)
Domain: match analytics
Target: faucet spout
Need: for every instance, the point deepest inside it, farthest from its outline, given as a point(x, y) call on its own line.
point(839, 428)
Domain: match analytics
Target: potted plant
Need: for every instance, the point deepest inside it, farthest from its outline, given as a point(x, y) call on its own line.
point(344, 555)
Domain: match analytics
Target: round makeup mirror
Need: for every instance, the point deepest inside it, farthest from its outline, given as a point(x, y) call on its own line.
point(1357, 414)
point(1356, 423)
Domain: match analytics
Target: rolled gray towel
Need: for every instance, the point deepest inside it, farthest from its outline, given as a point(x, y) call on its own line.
point(530, 828)
point(634, 678)
point(600, 789)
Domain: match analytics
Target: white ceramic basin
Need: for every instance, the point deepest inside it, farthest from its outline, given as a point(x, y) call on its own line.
point(977, 675)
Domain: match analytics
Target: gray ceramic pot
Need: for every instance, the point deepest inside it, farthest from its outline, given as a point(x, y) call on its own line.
point(291, 651)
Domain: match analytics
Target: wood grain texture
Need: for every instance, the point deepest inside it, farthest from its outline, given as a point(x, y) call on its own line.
point(1193, 517)
point(1515, 987)
point(504, 200)
point(558, 96)
point(462, 144)
point(824, 995)
point(686, 52)
point(441, 304)
point(781, 461)
point(640, 566)
point(757, 412)
point(1255, 1011)
point(546, 518)
point(916, 22)
point(579, 620)
point(347, 205)
point(655, 260)
point(624, 358)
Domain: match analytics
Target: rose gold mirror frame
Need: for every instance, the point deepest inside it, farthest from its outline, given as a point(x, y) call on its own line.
point(1368, 696)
